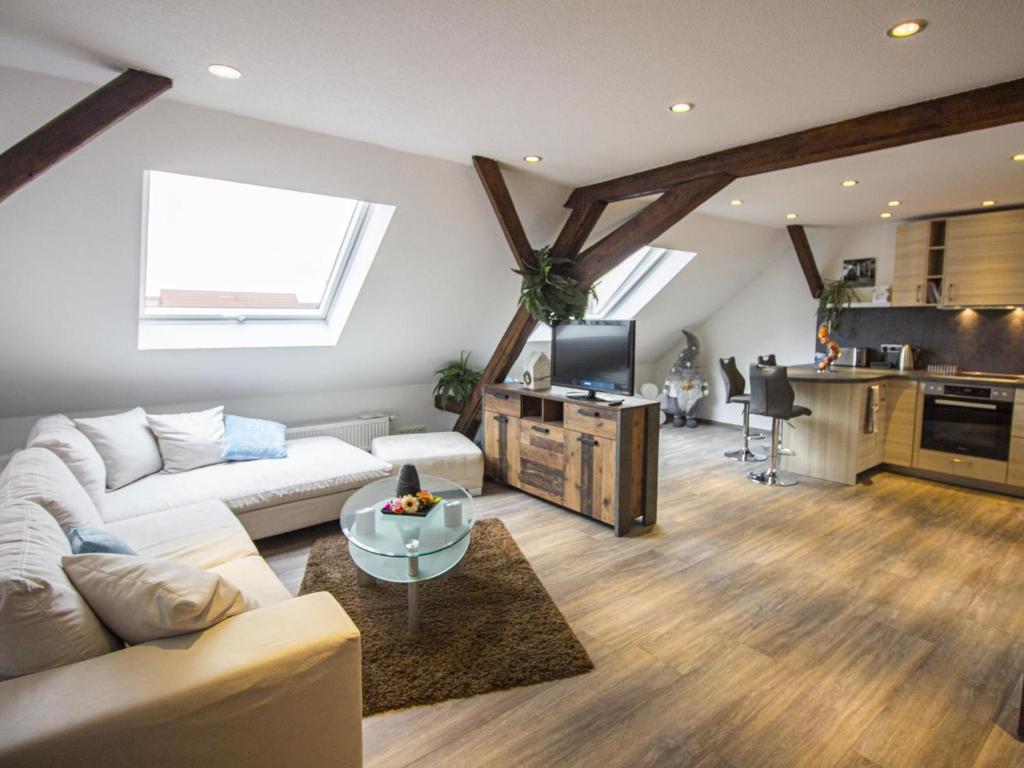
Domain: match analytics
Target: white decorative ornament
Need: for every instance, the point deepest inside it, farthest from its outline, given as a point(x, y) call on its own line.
point(537, 373)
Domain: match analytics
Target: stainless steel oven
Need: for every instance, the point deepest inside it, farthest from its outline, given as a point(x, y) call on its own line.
point(967, 420)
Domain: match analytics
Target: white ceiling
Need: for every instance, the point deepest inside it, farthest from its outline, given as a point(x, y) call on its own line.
point(585, 83)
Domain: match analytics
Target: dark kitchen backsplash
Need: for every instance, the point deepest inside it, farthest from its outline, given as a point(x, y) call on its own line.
point(976, 340)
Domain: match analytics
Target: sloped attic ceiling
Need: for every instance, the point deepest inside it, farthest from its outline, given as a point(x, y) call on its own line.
point(441, 283)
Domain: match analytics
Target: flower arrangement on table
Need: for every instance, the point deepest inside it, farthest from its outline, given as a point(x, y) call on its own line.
point(417, 504)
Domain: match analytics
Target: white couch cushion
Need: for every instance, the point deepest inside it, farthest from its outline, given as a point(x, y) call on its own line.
point(253, 576)
point(315, 466)
point(59, 435)
point(450, 455)
point(202, 535)
point(36, 474)
point(44, 622)
point(126, 443)
point(143, 599)
point(189, 440)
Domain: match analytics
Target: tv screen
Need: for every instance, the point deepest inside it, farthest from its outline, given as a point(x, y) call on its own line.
point(596, 355)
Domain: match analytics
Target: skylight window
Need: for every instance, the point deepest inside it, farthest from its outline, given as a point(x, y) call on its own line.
point(220, 254)
point(625, 290)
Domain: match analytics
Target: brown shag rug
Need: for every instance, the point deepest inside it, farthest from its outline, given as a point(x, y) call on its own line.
point(488, 627)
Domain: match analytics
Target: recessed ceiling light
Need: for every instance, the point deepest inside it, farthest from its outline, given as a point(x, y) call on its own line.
point(790, 215)
point(1019, 157)
point(894, 203)
point(987, 203)
point(224, 71)
point(532, 159)
point(886, 215)
point(907, 28)
point(850, 183)
point(680, 107)
point(735, 203)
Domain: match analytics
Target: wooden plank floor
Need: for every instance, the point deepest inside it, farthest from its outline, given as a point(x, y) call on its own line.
point(820, 625)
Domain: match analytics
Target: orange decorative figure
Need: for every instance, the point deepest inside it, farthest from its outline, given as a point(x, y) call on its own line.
point(832, 348)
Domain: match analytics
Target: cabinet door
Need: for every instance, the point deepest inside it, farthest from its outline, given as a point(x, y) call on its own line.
point(911, 264)
point(901, 411)
point(1015, 470)
point(542, 460)
point(590, 485)
point(501, 447)
point(985, 259)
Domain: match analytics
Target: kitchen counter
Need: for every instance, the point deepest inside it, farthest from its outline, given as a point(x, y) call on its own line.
point(867, 417)
point(848, 375)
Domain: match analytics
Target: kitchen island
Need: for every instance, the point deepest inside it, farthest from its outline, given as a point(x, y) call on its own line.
point(867, 417)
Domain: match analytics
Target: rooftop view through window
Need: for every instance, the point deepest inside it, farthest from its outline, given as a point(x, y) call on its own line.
point(221, 248)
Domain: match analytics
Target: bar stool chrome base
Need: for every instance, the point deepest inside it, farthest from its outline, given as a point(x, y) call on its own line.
point(772, 476)
point(745, 454)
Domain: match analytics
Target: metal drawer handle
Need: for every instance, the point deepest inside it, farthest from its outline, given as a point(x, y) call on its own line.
point(587, 440)
point(502, 395)
point(501, 419)
point(542, 430)
point(961, 461)
point(592, 414)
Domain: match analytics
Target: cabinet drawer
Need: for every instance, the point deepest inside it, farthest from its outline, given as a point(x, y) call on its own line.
point(592, 420)
point(1015, 474)
point(502, 402)
point(962, 466)
point(542, 460)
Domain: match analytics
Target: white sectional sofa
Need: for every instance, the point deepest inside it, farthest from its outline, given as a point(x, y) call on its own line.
point(277, 685)
point(270, 496)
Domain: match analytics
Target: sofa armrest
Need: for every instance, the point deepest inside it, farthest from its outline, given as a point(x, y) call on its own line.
point(280, 685)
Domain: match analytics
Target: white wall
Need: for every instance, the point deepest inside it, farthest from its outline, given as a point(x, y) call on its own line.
point(774, 312)
point(70, 255)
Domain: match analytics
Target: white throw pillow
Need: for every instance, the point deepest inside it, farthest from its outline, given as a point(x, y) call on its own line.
point(142, 599)
point(44, 622)
point(189, 440)
point(59, 435)
point(36, 474)
point(126, 444)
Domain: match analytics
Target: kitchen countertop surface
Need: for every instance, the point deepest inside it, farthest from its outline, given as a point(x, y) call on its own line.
point(849, 375)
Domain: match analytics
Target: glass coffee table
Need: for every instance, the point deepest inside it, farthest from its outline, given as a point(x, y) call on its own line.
point(406, 549)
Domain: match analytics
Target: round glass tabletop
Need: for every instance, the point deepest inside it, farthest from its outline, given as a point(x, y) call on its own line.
point(365, 523)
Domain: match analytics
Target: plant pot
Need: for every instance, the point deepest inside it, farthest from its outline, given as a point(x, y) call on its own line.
point(453, 406)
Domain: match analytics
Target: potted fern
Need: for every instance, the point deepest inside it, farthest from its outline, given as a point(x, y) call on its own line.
point(455, 383)
point(548, 293)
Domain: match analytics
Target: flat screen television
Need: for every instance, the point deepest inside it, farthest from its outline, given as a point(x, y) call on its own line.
point(594, 355)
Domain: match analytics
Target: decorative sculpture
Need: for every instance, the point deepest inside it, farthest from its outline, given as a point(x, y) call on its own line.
point(832, 352)
point(684, 388)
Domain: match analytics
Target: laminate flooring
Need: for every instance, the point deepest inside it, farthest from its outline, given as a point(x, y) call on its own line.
point(872, 626)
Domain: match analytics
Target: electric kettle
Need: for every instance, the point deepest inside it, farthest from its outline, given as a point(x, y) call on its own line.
point(908, 357)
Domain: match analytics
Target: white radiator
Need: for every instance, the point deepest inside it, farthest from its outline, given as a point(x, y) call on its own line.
point(355, 431)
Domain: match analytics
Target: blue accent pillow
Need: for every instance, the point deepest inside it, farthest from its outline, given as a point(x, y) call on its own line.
point(97, 541)
point(248, 439)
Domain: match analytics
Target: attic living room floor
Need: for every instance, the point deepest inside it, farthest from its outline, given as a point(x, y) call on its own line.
point(819, 625)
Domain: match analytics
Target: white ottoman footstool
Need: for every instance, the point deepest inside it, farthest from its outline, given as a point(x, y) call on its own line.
point(450, 455)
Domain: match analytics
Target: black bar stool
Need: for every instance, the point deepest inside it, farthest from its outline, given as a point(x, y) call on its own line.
point(734, 393)
point(772, 395)
point(769, 360)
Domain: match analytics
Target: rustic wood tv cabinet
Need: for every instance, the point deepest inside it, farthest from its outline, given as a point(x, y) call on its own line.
point(591, 457)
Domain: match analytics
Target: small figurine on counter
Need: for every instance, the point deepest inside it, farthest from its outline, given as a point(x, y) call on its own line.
point(833, 351)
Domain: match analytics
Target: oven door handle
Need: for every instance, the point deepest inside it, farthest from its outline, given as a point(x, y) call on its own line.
point(966, 404)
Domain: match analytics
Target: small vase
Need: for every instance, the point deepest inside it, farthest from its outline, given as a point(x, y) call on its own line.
point(408, 481)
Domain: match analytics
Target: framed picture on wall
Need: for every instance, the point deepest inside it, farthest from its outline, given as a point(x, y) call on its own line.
point(859, 273)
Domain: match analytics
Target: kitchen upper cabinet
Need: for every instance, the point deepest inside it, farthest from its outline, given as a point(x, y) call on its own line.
point(910, 271)
point(985, 259)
